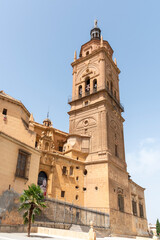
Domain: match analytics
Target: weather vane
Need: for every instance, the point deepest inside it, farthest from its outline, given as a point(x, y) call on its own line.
point(95, 23)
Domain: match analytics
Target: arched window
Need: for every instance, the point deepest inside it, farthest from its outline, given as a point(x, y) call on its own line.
point(115, 94)
point(42, 181)
point(87, 86)
point(95, 85)
point(46, 146)
point(80, 91)
point(87, 53)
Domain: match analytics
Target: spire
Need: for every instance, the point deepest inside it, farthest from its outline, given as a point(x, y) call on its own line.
point(31, 119)
point(95, 32)
point(101, 41)
point(75, 56)
point(115, 61)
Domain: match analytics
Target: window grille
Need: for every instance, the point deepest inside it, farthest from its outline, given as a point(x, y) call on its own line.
point(121, 202)
point(141, 210)
point(21, 169)
point(134, 207)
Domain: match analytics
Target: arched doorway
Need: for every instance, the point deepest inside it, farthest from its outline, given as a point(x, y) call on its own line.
point(42, 181)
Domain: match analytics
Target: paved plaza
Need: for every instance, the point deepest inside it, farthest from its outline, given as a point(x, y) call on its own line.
point(36, 236)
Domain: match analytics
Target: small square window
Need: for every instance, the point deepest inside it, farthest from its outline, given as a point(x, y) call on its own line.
point(4, 111)
point(86, 103)
point(60, 149)
point(62, 194)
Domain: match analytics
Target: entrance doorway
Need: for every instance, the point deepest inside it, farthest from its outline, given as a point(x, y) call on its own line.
point(42, 181)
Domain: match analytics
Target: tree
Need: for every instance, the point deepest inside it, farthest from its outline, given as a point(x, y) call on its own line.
point(32, 200)
point(158, 227)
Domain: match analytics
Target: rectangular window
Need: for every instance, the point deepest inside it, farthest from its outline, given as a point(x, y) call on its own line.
point(4, 111)
point(116, 150)
point(60, 149)
point(134, 207)
point(71, 171)
point(121, 202)
point(22, 164)
point(64, 170)
point(141, 210)
point(62, 194)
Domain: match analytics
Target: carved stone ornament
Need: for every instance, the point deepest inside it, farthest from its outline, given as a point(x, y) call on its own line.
point(120, 190)
point(89, 122)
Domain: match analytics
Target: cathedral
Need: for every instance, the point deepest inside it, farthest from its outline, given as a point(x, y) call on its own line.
point(86, 166)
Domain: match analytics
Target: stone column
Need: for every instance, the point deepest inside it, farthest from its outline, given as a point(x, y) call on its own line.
point(83, 89)
point(50, 182)
point(104, 130)
point(102, 70)
point(74, 93)
point(91, 85)
point(99, 132)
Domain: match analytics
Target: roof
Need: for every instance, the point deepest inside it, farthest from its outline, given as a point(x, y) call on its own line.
point(39, 125)
point(95, 41)
point(4, 95)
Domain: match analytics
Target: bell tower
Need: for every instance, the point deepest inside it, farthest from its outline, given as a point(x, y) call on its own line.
point(95, 105)
point(96, 112)
point(96, 117)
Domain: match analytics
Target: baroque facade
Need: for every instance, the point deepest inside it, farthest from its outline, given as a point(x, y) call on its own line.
point(86, 166)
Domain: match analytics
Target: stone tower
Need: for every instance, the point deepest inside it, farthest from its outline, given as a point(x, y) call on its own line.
point(96, 112)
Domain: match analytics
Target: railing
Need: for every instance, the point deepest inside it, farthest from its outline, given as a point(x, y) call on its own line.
point(115, 99)
point(110, 93)
point(62, 212)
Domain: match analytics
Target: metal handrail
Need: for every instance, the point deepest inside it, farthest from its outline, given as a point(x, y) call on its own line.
point(110, 93)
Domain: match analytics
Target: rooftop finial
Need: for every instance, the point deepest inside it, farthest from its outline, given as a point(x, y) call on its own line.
point(101, 41)
point(48, 114)
point(95, 23)
point(75, 56)
point(96, 31)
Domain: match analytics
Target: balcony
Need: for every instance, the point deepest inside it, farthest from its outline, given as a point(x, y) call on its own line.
point(115, 99)
point(100, 88)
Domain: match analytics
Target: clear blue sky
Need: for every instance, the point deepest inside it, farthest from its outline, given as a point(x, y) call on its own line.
point(37, 43)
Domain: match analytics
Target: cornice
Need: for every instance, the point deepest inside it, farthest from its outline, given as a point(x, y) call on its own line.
point(58, 155)
point(41, 126)
point(12, 139)
point(132, 182)
point(17, 102)
point(92, 54)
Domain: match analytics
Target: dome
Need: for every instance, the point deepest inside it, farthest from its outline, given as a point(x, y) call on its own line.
point(47, 122)
point(95, 32)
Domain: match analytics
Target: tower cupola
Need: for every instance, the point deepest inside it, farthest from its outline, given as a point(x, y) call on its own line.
point(47, 122)
point(95, 32)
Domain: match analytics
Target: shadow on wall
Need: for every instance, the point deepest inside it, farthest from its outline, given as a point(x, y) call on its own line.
point(9, 204)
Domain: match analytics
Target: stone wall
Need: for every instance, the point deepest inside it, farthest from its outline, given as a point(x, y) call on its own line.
point(9, 204)
point(55, 212)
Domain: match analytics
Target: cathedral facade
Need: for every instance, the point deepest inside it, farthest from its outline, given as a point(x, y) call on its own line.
point(86, 166)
